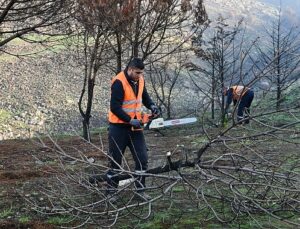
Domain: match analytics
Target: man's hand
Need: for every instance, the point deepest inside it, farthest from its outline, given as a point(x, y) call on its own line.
point(135, 123)
point(155, 111)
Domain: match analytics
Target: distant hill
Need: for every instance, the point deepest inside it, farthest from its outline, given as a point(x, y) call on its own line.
point(255, 13)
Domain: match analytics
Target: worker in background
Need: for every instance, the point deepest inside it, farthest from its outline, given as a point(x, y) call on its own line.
point(244, 97)
point(128, 93)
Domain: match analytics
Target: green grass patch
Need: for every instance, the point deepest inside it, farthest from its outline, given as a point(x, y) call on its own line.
point(199, 140)
point(292, 96)
point(7, 58)
point(24, 219)
point(34, 48)
point(178, 189)
point(199, 219)
point(183, 212)
point(66, 136)
point(6, 213)
point(282, 118)
point(59, 220)
point(4, 116)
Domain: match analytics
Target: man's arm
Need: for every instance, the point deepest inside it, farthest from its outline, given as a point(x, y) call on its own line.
point(147, 101)
point(116, 101)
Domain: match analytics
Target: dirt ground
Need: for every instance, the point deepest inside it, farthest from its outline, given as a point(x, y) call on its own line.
point(26, 163)
point(23, 162)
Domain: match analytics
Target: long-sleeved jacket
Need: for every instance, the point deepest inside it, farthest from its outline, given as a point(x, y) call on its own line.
point(235, 93)
point(118, 95)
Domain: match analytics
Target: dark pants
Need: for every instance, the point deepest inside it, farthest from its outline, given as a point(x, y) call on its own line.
point(244, 107)
point(119, 138)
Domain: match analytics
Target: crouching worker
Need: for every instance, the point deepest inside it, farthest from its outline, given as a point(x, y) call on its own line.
point(244, 96)
point(128, 93)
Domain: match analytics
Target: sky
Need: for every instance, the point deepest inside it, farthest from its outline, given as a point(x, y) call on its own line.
point(285, 3)
point(290, 8)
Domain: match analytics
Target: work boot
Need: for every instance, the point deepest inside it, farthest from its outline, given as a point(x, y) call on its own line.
point(247, 120)
point(247, 116)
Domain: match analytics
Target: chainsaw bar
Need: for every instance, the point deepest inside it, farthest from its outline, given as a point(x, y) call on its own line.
point(159, 122)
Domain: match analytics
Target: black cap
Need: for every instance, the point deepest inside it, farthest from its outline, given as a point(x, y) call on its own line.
point(136, 63)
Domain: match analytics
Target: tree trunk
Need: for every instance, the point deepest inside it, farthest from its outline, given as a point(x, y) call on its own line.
point(137, 31)
point(213, 90)
point(119, 54)
point(221, 70)
point(87, 115)
point(278, 95)
point(86, 129)
point(213, 86)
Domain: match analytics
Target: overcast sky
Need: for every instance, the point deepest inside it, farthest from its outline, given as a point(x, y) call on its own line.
point(286, 4)
point(290, 9)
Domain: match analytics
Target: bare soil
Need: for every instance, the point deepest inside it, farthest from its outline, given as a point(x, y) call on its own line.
point(28, 162)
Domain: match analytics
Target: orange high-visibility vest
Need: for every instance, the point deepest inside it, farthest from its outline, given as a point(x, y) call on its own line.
point(132, 104)
point(239, 91)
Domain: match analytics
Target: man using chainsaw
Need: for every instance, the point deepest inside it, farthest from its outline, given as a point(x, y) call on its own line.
point(128, 93)
point(242, 95)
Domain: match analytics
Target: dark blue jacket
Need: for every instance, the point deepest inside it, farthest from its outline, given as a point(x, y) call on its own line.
point(117, 96)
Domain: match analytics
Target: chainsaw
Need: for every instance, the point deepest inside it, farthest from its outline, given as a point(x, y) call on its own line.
point(153, 122)
point(160, 122)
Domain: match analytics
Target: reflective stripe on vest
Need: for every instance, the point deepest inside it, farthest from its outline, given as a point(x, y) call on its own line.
point(132, 104)
point(239, 91)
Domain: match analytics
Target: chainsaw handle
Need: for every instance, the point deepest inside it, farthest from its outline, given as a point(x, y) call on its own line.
point(146, 119)
point(151, 118)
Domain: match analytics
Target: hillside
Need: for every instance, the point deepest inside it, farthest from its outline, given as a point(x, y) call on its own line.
point(39, 94)
point(255, 14)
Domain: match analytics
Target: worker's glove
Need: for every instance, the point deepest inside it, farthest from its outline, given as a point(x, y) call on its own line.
point(135, 123)
point(155, 110)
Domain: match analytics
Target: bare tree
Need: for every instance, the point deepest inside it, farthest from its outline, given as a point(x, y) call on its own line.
point(280, 51)
point(219, 65)
point(91, 43)
point(19, 18)
point(150, 27)
point(165, 79)
point(94, 59)
point(168, 74)
point(149, 30)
